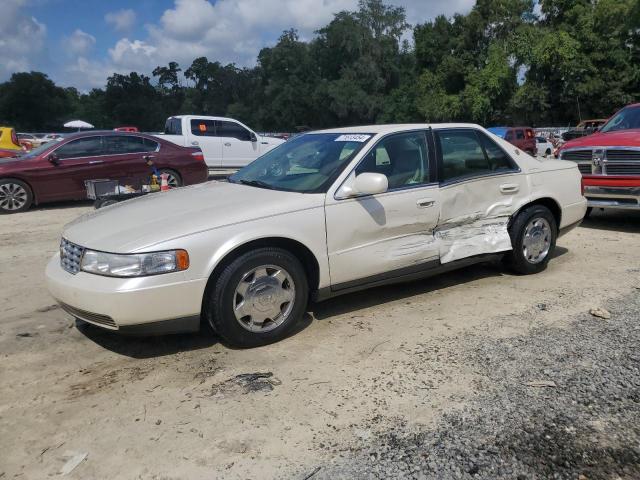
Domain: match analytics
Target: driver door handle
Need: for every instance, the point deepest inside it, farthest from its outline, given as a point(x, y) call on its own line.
point(93, 162)
point(425, 202)
point(227, 144)
point(509, 188)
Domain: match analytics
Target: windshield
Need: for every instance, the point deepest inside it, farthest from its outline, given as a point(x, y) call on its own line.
point(306, 164)
point(625, 119)
point(37, 151)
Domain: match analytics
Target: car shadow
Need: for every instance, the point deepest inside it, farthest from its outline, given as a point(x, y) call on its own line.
point(399, 291)
point(626, 221)
point(61, 205)
point(141, 347)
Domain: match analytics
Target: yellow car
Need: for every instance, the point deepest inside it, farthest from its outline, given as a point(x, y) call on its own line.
point(9, 144)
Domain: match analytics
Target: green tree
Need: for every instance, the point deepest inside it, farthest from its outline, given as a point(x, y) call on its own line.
point(31, 101)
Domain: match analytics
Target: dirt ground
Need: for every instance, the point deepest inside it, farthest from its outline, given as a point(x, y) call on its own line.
point(184, 406)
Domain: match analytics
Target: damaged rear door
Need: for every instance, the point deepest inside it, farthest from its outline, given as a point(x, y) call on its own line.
point(372, 237)
point(480, 188)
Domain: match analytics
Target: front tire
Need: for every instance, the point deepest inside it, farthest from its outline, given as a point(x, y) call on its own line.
point(15, 196)
point(533, 238)
point(258, 298)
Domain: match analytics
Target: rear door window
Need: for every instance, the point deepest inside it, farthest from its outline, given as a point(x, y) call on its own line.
point(203, 128)
point(173, 126)
point(509, 135)
point(123, 144)
point(462, 154)
point(82, 147)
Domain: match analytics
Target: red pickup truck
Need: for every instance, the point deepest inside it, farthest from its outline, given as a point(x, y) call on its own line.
point(610, 161)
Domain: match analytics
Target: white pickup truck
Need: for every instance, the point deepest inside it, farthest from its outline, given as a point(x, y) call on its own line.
point(226, 143)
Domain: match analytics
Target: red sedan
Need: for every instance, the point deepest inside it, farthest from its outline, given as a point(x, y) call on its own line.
point(57, 170)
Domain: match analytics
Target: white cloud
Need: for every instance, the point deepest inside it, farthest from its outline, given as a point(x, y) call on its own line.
point(21, 39)
point(236, 30)
point(79, 43)
point(121, 20)
point(224, 30)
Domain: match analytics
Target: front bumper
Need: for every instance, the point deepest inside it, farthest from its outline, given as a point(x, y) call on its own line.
point(612, 192)
point(155, 305)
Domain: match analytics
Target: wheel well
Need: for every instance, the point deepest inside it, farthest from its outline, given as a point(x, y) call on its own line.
point(308, 259)
point(551, 204)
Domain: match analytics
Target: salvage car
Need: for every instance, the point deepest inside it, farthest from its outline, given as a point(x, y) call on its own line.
point(58, 170)
point(227, 144)
point(609, 160)
point(521, 137)
point(324, 214)
point(584, 128)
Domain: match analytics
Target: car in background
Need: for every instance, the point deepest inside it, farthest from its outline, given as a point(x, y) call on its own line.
point(226, 143)
point(324, 214)
point(50, 137)
point(609, 160)
point(126, 129)
point(33, 140)
point(522, 137)
point(544, 147)
point(57, 170)
point(584, 128)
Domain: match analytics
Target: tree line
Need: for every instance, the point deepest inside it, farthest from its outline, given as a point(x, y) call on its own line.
point(502, 63)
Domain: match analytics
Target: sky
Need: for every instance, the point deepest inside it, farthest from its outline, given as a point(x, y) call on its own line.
point(80, 43)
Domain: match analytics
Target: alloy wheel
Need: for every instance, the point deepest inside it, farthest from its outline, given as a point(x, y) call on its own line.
point(536, 242)
point(13, 196)
point(264, 298)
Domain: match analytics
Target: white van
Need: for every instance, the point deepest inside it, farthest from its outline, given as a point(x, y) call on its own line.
point(226, 143)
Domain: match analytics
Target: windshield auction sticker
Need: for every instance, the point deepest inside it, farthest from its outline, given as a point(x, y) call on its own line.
point(352, 138)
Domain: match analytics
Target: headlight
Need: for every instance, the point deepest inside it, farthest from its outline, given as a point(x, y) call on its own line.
point(134, 265)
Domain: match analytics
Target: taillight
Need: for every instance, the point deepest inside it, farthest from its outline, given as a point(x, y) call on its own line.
point(14, 138)
point(198, 156)
point(582, 185)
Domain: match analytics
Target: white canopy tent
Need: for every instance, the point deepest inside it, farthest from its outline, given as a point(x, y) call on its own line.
point(79, 124)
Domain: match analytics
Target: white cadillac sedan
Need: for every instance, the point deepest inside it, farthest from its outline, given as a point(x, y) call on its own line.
point(324, 214)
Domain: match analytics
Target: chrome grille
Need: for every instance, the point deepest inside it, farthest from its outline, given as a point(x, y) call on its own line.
point(623, 168)
point(614, 155)
point(585, 168)
point(97, 318)
point(577, 155)
point(70, 256)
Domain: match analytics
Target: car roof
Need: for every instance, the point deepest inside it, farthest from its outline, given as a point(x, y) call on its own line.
point(113, 133)
point(206, 117)
point(392, 128)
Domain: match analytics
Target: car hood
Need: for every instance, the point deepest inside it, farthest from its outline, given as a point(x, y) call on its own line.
point(142, 223)
point(622, 138)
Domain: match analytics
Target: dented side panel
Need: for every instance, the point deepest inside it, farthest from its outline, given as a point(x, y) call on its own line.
point(474, 215)
point(377, 234)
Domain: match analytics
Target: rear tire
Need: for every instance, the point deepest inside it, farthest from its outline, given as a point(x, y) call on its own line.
point(258, 298)
point(533, 238)
point(588, 212)
point(15, 196)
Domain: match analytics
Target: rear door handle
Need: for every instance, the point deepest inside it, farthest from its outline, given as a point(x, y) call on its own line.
point(93, 162)
point(509, 188)
point(227, 144)
point(425, 202)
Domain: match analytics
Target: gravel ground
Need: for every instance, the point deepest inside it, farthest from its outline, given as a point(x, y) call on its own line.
point(584, 423)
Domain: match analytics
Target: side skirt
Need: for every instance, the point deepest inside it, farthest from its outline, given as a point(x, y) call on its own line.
point(414, 272)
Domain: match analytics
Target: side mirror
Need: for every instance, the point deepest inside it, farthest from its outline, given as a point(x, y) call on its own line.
point(371, 183)
point(254, 138)
point(53, 159)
